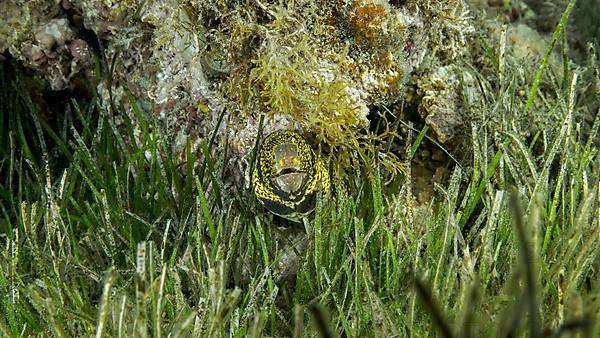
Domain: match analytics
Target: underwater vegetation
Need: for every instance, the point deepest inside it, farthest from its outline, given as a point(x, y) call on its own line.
point(157, 157)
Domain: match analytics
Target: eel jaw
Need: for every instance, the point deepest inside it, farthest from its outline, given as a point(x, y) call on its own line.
point(290, 181)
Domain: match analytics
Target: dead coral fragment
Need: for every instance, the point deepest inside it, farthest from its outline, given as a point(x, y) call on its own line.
point(366, 23)
point(377, 40)
point(448, 25)
point(442, 102)
point(56, 53)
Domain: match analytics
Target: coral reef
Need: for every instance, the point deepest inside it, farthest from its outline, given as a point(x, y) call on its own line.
point(318, 65)
point(324, 67)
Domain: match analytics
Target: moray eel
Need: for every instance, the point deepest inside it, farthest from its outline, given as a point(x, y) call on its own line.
point(288, 175)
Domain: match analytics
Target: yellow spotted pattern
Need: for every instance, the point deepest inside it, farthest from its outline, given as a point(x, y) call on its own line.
point(291, 205)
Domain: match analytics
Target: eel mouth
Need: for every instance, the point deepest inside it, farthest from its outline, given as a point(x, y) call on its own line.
point(289, 180)
point(286, 171)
